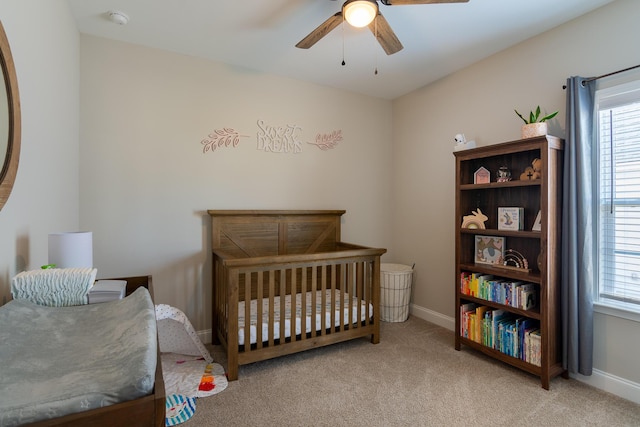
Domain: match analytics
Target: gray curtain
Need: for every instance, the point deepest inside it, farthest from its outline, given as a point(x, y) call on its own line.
point(577, 229)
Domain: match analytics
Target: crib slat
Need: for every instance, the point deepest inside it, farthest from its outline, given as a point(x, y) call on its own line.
point(259, 297)
point(343, 294)
point(272, 296)
point(323, 301)
point(367, 291)
point(283, 291)
point(360, 291)
point(333, 297)
point(314, 311)
point(232, 334)
point(351, 287)
point(294, 302)
point(303, 304)
point(247, 311)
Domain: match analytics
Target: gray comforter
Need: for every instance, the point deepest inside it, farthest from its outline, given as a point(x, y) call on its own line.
point(60, 360)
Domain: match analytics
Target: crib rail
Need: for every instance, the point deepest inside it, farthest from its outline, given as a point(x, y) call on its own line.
point(348, 277)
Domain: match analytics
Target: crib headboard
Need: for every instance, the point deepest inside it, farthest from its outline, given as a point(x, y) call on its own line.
point(253, 233)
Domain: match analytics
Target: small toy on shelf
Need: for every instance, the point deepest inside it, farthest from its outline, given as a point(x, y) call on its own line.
point(474, 221)
point(482, 176)
point(532, 172)
point(515, 259)
point(504, 174)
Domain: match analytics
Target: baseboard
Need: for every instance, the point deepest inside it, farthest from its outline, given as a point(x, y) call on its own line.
point(602, 380)
point(433, 317)
point(610, 383)
point(205, 336)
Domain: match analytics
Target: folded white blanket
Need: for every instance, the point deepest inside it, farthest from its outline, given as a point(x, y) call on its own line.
point(54, 287)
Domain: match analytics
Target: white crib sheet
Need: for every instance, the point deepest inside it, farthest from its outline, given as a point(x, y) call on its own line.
point(339, 320)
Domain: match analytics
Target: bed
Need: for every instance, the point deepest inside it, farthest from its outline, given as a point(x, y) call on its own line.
point(284, 282)
point(138, 400)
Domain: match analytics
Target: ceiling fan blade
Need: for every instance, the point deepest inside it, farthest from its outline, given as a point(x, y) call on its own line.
point(385, 35)
point(322, 30)
point(406, 2)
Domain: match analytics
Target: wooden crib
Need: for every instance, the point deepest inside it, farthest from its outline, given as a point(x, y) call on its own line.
point(283, 263)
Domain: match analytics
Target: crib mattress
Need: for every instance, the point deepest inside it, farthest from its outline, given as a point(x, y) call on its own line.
point(340, 318)
point(61, 360)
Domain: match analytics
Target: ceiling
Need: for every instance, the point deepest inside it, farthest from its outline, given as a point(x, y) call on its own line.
point(260, 35)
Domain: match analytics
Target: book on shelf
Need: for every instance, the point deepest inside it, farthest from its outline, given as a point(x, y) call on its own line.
point(529, 299)
point(479, 322)
point(107, 290)
point(508, 292)
point(505, 332)
point(475, 284)
point(465, 310)
point(534, 347)
point(510, 218)
point(496, 317)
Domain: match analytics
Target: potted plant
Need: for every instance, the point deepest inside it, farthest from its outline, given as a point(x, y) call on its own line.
point(536, 125)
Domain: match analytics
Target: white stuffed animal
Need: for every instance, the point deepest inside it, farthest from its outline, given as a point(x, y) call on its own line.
point(460, 138)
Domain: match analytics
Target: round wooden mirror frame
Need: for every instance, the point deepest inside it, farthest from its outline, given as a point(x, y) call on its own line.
point(10, 165)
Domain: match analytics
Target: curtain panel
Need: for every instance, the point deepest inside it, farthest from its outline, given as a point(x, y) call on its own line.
point(578, 233)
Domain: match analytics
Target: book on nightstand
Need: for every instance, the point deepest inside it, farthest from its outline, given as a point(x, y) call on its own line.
point(107, 290)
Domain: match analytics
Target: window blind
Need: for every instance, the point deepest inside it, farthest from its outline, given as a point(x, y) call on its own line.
point(619, 200)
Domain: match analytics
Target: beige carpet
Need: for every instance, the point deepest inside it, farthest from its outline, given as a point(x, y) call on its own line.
point(414, 377)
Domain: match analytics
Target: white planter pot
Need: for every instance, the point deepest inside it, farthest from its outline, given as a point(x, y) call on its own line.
point(534, 129)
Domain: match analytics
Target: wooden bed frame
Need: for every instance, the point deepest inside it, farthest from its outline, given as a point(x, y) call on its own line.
point(146, 411)
point(282, 253)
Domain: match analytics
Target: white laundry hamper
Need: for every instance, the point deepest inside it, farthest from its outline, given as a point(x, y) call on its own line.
point(395, 292)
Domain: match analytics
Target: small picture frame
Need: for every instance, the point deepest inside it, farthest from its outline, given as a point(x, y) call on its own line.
point(510, 218)
point(489, 250)
point(482, 176)
point(537, 224)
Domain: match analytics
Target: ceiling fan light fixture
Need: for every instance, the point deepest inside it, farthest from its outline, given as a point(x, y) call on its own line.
point(360, 13)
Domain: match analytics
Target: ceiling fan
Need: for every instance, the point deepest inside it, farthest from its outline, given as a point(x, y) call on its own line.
point(361, 13)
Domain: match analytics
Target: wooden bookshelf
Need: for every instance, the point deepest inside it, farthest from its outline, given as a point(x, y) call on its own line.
point(540, 248)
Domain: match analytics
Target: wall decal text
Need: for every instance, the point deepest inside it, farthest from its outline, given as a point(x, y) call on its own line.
point(279, 139)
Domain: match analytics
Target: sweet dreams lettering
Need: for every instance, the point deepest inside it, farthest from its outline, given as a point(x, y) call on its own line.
point(279, 139)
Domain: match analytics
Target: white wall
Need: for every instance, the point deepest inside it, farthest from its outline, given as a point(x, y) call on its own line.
point(44, 47)
point(145, 183)
point(479, 101)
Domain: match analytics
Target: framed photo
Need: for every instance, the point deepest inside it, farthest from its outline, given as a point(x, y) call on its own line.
point(537, 224)
point(489, 250)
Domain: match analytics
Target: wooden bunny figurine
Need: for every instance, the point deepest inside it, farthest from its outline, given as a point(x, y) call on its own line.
point(476, 220)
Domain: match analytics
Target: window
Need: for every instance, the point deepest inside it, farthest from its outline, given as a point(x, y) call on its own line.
point(618, 195)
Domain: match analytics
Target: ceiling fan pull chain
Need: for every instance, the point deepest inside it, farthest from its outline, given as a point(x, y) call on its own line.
point(375, 26)
point(343, 63)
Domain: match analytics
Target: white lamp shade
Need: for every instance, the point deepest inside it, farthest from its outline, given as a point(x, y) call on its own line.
point(71, 250)
point(360, 13)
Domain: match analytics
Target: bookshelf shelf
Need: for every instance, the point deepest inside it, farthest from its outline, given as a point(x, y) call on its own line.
point(533, 313)
point(533, 369)
point(502, 272)
point(495, 232)
point(490, 297)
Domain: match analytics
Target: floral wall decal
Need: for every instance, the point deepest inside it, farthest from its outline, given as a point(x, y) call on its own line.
point(224, 137)
point(327, 141)
point(279, 139)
